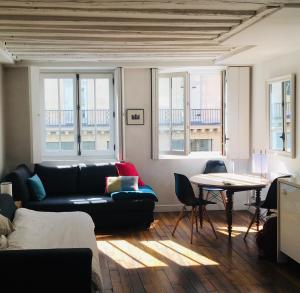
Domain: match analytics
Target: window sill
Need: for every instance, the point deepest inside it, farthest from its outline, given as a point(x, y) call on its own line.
point(195, 155)
point(76, 161)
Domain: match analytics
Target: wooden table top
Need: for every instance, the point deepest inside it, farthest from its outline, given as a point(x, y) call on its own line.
point(229, 180)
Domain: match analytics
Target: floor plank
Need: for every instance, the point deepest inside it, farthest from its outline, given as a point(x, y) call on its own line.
point(155, 261)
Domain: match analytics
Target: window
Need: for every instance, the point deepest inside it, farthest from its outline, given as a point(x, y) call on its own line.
point(172, 107)
point(78, 114)
point(281, 114)
point(190, 112)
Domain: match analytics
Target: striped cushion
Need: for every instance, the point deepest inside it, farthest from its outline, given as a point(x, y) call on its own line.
point(121, 183)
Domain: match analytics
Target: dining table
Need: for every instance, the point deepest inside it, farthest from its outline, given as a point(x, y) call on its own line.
point(230, 183)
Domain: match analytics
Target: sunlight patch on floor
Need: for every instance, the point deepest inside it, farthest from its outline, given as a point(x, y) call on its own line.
point(237, 230)
point(178, 253)
point(118, 256)
point(201, 259)
point(143, 257)
point(128, 255)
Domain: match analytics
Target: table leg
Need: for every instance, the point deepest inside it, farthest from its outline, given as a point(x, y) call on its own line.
point(229, 205)
point(201, 207)
point(257, 202)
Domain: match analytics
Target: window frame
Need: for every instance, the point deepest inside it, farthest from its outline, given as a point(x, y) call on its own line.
point(187, 152)
point(75, 155)
point(111, 152)
point(186, 122)
point(60, 153)
point(282, 79)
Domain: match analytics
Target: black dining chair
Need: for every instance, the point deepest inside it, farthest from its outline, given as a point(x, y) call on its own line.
point(185, 194)
point(270, 203)
point(215, 166)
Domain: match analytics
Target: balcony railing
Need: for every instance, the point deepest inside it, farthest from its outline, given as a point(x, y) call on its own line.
point(65, 118)
point(197, 116)
point(277, 111)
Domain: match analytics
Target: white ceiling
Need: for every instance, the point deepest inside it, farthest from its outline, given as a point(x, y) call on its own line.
point(278, 34)
point(187, 31)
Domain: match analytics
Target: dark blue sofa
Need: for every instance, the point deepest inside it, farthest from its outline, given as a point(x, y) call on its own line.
point(82, 188)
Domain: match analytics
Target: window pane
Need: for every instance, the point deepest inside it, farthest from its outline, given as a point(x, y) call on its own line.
point(288, 115)
point(276, 116)
point(59, 114)
point(177, 99)
point(171, 114)
point(95, 114)
point(164, 114)
point(205, 112)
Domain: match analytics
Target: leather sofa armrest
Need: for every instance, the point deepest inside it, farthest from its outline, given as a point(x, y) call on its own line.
point(46, 270)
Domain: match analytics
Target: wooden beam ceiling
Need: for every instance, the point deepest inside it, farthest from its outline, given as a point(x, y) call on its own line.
point(126, 30)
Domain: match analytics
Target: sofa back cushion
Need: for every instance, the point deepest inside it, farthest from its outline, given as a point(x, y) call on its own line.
point(92, 178)
point(58, 180)
point(19, 177)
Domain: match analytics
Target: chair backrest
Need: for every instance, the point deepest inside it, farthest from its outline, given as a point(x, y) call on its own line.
point(271, 198)
point(184, 190)
point(215, 166)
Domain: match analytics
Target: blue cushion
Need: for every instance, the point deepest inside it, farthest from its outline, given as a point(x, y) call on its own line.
point(36, 187)
point(143, 192)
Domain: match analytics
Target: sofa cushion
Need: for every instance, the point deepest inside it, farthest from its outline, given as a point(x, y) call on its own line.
point(58, 180)
point(143, 192)
point(121, 183)
point(36, 188)
point(18, 178)
point(91, 204)
point(92, 178)
point(128, 169)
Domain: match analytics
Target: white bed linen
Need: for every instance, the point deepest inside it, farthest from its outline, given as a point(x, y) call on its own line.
point(47, 230)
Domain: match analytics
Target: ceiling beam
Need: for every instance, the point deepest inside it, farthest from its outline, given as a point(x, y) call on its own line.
point(127, 29)
point(192, 4)
point(93, 22)
point(116, 41)
point(129, 12)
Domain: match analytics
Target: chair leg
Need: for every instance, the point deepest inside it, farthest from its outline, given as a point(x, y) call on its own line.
point(192, 223)
point(180, 217)
point(207, 195)
point(196, 219)
point(201, 216)
point(223, 195)
point(251, 223)
point(209, 221)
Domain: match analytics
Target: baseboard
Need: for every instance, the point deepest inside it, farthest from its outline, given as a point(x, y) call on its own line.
point(178, 207)
point(168, 208)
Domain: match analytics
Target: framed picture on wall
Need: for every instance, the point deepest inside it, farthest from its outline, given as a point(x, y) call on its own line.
point(135, 116)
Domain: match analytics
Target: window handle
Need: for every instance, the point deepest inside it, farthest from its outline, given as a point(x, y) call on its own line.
point(282, 136)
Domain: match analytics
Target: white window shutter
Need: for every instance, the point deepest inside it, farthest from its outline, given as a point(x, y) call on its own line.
point(237, 122)
point(119, 113)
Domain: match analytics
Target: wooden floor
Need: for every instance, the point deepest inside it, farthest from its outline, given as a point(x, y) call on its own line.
point(154, 261)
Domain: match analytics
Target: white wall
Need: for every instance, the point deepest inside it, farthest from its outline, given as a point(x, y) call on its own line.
point(262, 72)
point(158, 174)
point(2, 142)
point(17, 118)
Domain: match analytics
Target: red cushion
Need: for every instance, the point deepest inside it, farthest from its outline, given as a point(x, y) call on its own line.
point(128, 169)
